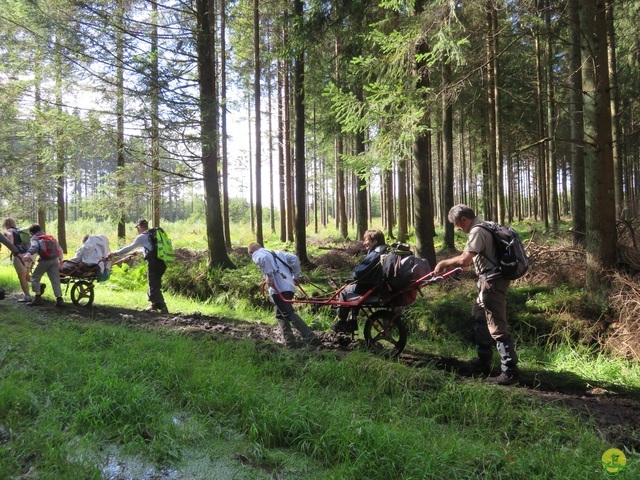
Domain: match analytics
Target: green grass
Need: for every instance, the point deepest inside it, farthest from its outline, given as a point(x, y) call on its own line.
point(78, 395)
point(101, 384)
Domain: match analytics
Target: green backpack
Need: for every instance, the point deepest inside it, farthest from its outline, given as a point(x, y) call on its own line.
point(161, 244)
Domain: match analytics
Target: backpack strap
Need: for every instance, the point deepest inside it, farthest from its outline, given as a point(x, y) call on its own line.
point(488, 226)
point(278, 259)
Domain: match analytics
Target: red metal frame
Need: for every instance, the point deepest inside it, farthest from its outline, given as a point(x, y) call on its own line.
point(333, 300)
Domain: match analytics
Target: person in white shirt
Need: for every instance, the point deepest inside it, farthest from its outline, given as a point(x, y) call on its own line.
point(282, 272)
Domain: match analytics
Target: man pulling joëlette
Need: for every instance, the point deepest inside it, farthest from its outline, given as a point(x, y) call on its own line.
point(281, 272)
point(490, 310)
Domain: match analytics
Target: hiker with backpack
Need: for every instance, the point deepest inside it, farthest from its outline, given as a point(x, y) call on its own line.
point(367, 275)
point(282, 273)
point(156, 266)
point(21, 239)
point(490, 310)
point(49, 257)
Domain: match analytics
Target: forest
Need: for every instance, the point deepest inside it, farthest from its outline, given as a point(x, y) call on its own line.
point(300, 124)
point(116, 109)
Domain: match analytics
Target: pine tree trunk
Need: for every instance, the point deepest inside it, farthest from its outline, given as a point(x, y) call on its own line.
point(600, 202)
point(618, 177)
point(209, 134)
point(120, 117)
point(551, 143)
point(223, 126)
point(447, 157)
point(577, 129)
point(300, 159)
point(422, 194)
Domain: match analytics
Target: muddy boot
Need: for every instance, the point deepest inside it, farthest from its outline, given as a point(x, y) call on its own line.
point(505, 378)
point(509, 360)
point(59, 302)
point(345, 326)
point(37, 300)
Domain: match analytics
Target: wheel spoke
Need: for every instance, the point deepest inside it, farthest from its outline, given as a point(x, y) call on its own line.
point(385, 333)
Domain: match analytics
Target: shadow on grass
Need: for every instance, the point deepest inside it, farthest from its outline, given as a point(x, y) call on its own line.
point(543, 380)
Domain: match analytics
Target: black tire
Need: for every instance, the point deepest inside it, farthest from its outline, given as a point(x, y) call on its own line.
point(82, 293)
point(385, 333)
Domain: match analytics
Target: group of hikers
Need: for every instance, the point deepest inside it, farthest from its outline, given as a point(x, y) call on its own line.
point(282, 274)
point(44, 250)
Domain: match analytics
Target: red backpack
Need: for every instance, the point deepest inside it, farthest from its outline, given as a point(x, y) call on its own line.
point(48, 246)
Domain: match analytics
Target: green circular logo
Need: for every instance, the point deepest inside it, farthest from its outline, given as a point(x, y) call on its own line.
point(614, 461)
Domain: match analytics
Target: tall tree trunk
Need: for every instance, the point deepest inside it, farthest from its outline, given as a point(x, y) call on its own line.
point(618, 178)
point(340, 190)
point(495, 66)
point(122, 228)
point(223, 112)
point(340, 187)
point(362, 210)
point(258, 126)
point(403, 230)
point(600, 202)
point(281, 155)
point(300, 160)
point(155, 108)
point(491, 110)
point(422, 194)
point(60, 156)
point(209, 134)
point(447, 155)
point(252, 210)
point(577, 129)
point(551, 142)
point(542, 161)
point(387, 201)
point(272, 211)
point(288, 160)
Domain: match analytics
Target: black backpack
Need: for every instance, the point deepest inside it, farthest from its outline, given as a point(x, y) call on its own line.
point(512, 258)
point(400, 268)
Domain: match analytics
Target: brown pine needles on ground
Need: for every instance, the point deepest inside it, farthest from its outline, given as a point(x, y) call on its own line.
point(565, 263)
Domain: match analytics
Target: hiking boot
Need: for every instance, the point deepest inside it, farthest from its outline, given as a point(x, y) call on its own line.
point(59, 302)
point(345, 326)
point(37, 300)
point(504, 379)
